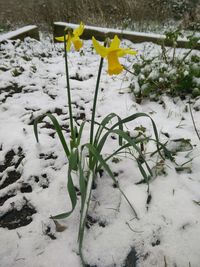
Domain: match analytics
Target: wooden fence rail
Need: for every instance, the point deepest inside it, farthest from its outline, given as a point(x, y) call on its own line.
point(135, 37)
point(27, 31)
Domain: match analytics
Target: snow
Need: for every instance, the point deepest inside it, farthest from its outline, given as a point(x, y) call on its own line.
point(169, 230)
point(12, 34)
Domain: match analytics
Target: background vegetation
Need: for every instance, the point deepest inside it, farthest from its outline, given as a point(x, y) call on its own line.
point(133, 14)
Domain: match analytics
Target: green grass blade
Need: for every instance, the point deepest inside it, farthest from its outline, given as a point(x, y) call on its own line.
point(80, 133)
point(125, 146)
point(99, 158)
point(35, 128)
point(131, 141)
point(82, 184)
point(103, 124)
point(70, 188)
point(138, 115)
point(127, 119)
point(74, 159)
point(125, 136)
point(57, 128)
point(131, 118)
point(84, 211)
point(167, 153)
point(145, 176)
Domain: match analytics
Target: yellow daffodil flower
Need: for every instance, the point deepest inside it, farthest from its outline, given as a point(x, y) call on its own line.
point(112, 53)
point(73, 37)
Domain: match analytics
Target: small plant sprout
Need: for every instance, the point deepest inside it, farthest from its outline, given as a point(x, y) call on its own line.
point(87, 165)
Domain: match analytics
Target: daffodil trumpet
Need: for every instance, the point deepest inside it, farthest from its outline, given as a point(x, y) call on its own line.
point(112, 54)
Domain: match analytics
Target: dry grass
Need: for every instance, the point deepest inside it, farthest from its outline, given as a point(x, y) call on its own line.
point(114, 13)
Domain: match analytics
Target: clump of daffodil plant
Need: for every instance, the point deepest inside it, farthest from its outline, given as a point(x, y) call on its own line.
point(95, 160)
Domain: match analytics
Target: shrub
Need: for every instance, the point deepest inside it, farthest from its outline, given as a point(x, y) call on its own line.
point(167, 72)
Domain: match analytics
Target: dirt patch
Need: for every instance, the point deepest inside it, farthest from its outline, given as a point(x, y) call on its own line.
point(6, 197)
point(12, 158)
point(26, 188)
point(17, 218)
point(11, 177)
point(131, 260)
point(12, 89)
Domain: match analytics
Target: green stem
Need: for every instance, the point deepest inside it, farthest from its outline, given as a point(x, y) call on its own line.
point(94, 107)
point(84, 213)
point(95, 101)
point(68, 91)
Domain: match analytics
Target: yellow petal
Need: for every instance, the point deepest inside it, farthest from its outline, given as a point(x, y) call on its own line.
point(115, 43)
point(114, 67)
point(77, 43)
point(79, 31)
point(100, 49)
point(61, 38)
point(69, 41)
point(123, 52)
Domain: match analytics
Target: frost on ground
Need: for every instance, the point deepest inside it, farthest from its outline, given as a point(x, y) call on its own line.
point(33, 176)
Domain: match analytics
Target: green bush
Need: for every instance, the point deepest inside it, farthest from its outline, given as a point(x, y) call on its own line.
point(167, 72)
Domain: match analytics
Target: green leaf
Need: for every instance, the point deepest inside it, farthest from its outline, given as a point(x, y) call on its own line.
point(82, 184)
point(70, 188)
point(134, 145)
point(123, 147)
point(57, 128)
point(99, 158)
point(80, 134)
point(102, 126)
point(73, 160)
point(36, 121)
point(84, 211)
point(145, 176)
point(125, 136)
point(131, 118)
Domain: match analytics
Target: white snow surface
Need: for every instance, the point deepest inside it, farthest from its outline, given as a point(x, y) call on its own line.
point(166, 234)
point(17, 32)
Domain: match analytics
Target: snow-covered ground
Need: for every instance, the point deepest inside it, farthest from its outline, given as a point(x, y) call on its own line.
point(33, 177)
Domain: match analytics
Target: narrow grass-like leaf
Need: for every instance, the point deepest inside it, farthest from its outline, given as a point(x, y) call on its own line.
point(57, 128)
point(128, 119)
point(80, 134)
point(103, 124)
point(101, 127)
point(99, 158)
point(138, 115)
point(145, 176)
point(167, 153)
point(36, 121)
point(125, 136)
point(84, 211)
point(70, 188)
point(82, 182)
point(73, 160)
point(123, 147)
point(116, 152)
